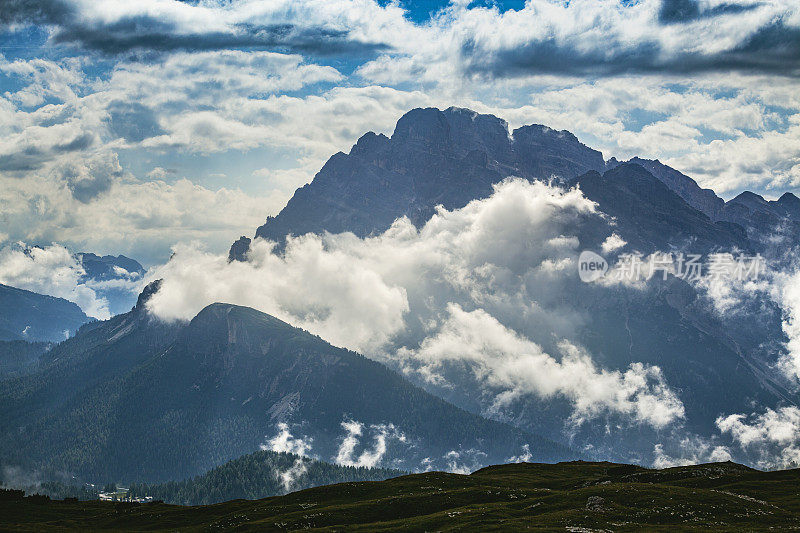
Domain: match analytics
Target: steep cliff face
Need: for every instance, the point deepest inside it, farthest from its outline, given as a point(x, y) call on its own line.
point(433, 158)
point(653, 217)
point(454, 156)
point(704, 200)
point(764, 220)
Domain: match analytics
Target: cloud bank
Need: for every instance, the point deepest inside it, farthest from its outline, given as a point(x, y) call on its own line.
point(470, 289)
point(586, 37)
point(773, 436)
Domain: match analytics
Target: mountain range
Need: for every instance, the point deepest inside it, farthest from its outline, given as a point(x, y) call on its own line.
point(451, 157)
point(111, 277)
point(28, 316)
point(139, 399)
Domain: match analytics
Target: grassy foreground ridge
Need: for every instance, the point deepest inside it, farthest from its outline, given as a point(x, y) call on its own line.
point(545, 497)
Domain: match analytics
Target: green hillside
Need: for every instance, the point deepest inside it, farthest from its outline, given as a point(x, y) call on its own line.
point(560, 497)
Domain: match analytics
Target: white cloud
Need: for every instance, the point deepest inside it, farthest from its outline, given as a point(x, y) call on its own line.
point(290, 477)
point(464, 461)
point(613, 243)
point(523, 457)
point(471, 287)
point(774, 435)
point(370, 457)
point(505, 361)
point(692, 451)
point(284, 442)
point(786, 291)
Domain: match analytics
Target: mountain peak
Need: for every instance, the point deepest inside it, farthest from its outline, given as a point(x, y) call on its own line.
point(704, 200)
point(789, 199)
point(434, 157)
point(147, 293)
point(750, 200)
point(427, 125)
point(369, 143)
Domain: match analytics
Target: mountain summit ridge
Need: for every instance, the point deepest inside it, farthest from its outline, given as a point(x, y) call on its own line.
point(450, 157)
point(433, 158)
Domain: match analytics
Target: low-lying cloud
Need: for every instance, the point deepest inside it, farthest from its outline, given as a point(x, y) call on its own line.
point(355, 437)
point(772, 437)
point(482, 286)
point(516, 366)
point(285, 442)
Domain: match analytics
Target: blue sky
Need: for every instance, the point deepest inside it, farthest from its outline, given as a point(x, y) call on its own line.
point(130, 127)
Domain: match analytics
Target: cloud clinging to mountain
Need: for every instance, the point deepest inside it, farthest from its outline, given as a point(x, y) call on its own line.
point(480, 286)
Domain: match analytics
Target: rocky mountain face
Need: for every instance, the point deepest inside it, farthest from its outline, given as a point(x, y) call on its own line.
point(28, 316)
point(763, 219)
point(717, 361)
point(138, 399)
point(704, 200)
point(109, 267)
point(433, 158)
point(652, 216)
point(453, 156)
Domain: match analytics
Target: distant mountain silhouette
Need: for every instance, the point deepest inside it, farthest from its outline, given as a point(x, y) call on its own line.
point(102, 271)
point(28, 316)
point(652, 216)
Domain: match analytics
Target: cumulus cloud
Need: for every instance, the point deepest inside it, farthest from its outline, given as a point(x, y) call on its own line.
point(517, 366)
point(613, 243)
point(524, 457)
point(470, 288)
point(63, 171)
point(165, 26)
point(773, 436)
point(285, 442)
point(51, 270)
point(140, 219)
point(692, 451)
point(610, 37)
point(463, 461)
point(579, 37)
point(369, 457)
point(331, 294)
point(789, 298)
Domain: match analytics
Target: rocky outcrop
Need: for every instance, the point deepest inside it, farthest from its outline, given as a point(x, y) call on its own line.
point(704, 200)
point(433, 158)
